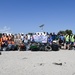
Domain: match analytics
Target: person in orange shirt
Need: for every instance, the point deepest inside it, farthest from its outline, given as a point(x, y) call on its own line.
point(4, 43)
point(11, 43)
point(0, 42)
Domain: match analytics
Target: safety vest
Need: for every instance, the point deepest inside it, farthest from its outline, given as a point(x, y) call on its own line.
point(72, 38)
point(67, 38)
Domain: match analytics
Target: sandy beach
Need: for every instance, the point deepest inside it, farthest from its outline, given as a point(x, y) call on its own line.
point(37, 63)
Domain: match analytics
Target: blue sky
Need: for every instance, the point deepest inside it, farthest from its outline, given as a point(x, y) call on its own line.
point(27, 15)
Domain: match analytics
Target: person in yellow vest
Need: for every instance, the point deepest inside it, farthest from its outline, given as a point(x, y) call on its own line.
point(67, 39)
point(72, 40)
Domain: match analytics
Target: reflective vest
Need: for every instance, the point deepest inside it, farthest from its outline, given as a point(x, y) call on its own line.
point(67, 38)
point(72, 38)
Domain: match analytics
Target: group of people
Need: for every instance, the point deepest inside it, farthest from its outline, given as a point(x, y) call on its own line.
point(6, 40)
point(65, 41)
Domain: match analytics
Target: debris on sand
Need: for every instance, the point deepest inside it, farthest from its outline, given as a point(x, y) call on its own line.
point(41, 64)
point(58, 64)
point(24, 58)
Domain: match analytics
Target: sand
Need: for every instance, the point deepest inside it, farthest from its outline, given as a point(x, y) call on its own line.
point(37, 63)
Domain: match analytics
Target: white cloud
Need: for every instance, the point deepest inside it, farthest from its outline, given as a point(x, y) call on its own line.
point(5, 29)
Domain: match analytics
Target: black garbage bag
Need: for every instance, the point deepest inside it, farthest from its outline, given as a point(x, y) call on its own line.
point(55, 47)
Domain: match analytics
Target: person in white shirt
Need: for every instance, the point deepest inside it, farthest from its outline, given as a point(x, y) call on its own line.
point(22, 37)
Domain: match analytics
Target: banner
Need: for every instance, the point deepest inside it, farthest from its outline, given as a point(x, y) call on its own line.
point(41, 38)
point(44, 39)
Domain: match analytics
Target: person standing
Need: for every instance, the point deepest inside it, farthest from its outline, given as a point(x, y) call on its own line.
point(67, 39)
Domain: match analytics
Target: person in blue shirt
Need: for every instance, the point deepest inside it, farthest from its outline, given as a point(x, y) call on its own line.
point(54, 36)
point(61, 39)
point(50, 40)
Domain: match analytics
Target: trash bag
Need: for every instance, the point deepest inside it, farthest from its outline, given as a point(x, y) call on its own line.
point(55, 47)
point(34, 48)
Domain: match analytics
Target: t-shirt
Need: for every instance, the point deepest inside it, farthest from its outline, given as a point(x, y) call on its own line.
point(62, 38)
point(50, 39)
